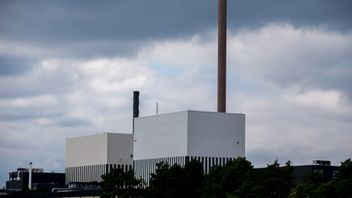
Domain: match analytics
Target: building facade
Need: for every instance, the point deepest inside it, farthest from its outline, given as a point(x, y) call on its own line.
point(90, 157)
point(322, 167)
point(18, 180)
point(210, 137)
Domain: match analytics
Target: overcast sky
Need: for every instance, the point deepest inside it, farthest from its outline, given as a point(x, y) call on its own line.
point(68, 68)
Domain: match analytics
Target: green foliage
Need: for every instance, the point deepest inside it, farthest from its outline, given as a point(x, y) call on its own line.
point(223, 180)
point(326, 190)
point(344, 179)
point(273, 181)
point(236, 179)
point(120, 183)
point(307, 186)
point(314, 187)
point(176, 181)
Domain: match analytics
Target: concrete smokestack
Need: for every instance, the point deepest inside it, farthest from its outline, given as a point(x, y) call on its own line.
point(222, 15)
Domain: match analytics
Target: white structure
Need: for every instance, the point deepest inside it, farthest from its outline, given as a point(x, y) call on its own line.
point(210, 137)
point(89, 157)
point(30, 170)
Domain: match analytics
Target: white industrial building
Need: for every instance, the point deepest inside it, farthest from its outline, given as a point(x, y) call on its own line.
point(89, 157)
point(212, 138)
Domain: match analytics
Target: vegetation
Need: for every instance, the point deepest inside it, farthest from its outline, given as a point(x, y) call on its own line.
point(237, 179)
point(176, 181)
point(120, 183)
point(314, 186)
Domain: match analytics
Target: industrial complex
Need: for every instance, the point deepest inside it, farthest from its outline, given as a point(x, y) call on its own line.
point(212, 138)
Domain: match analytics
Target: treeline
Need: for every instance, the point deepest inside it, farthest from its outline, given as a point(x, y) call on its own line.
point(237, 179)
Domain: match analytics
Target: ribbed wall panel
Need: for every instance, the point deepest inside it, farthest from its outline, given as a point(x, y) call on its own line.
point(144, 168)
point(91, 173)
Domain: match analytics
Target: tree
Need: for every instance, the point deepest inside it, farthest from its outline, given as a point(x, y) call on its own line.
point(223, 180)
point(307, 186)
point(344, 179)
point(315, 187)
point(120, 183)
point(276, 181)
point(273, 181)
point(192, 178)
point(339, 187)
point(176, 181)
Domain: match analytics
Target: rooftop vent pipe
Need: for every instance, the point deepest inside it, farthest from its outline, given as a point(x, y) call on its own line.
point(30, 176)
point(135, 104)
point(135, 107)
point(222, 13)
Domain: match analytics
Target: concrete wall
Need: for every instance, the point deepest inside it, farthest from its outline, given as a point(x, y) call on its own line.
point(120, 149)
point(107, 148)
point(87, 150)
point(216, 134)
point(160, 136)
point(189, 133)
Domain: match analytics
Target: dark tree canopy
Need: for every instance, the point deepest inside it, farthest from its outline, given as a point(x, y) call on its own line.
point(236, 179)
point(120, 183)
point(176, 181)
point(315, 187)
point(223, 180)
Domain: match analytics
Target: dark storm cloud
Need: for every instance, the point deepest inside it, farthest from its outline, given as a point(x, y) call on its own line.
point(333, 14)
point(11, 65)
point(58, 22)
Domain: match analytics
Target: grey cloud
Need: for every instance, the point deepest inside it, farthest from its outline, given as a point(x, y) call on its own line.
point(292, 132)
point(37, 83)
point(62, 22)
point(12, 65)
point(73, 122)
point(334, 14)
point(311, 58)
point(22, 115)
point(65, 21)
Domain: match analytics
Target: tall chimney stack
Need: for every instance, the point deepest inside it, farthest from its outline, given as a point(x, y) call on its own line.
point(222, 15)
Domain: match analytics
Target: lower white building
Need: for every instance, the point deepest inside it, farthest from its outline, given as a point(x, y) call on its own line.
point(90, 157)
point(212, 138)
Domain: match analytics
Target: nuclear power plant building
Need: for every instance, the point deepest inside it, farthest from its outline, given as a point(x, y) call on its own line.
point(210, 137)
point(90, 157)
point(213, 138)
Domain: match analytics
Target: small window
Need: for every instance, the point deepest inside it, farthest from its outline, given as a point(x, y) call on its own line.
point(319, 171)
point(334, 174)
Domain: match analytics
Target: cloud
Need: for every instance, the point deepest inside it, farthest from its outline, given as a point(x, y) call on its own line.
point(307, 57)
point(88, 28)
point(11, 65)
point(300, 108)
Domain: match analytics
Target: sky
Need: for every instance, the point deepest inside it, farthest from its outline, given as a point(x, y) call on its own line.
point(68, 69)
